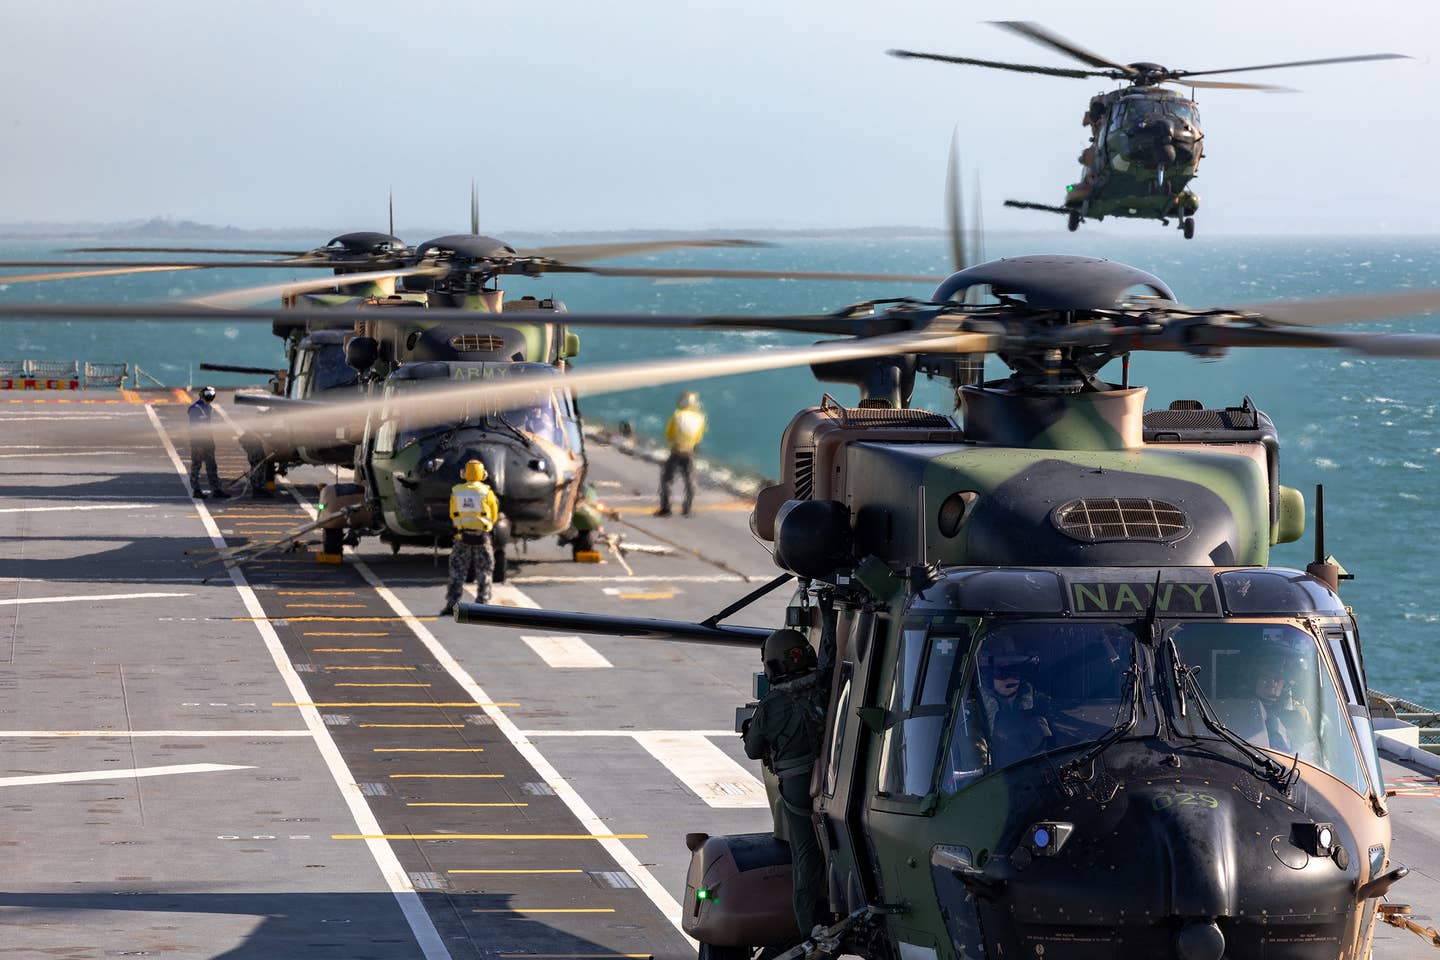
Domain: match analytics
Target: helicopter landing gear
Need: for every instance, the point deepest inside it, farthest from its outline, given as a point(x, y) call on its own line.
point(1074, 222)
point(497, 575)
point(1187, 227)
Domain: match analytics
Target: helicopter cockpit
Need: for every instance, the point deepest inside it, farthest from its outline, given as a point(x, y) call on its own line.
point(320, 365)
point(999, 667)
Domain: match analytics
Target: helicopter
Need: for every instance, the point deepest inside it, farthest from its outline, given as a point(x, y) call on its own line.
point(1145, 140)
point(426, 318)
point(1113, 562)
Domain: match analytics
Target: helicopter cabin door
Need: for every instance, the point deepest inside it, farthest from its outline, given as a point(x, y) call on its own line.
point(840, 774)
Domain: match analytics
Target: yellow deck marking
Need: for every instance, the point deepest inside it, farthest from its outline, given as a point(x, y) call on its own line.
point(382, 684)
point(447, 776)
point(467, 805)
point(369, 668)
point(416, 726)
point(572, 956)
point(315, 593)
point(522, 871)
point(324, 606)
point(346, 633)
point(355, 649)
point(427, 749)
point(550, 910)
point(332, 619)
point(393, 703)
point(490, 836)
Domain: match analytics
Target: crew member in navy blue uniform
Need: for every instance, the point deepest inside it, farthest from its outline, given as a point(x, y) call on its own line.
point(202, 448)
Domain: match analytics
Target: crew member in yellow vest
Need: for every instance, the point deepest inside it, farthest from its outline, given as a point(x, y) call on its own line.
point(684, 432)
point(474, 511)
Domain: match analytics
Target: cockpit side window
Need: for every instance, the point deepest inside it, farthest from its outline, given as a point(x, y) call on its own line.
point(1269, 683)
point(924, 682)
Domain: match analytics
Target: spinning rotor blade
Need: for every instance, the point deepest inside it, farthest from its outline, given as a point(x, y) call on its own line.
point(1400, 345)
point(443, 403)
point(83, 274)
point(1293, 63)
point(1222, 85)
point(701, 273)
point(954, 216)
point(580, 252)
point(303, 262)
point(257, 253)
point(1335, 311)
point(998, 65)
point(1037, 33)
point(249, 295)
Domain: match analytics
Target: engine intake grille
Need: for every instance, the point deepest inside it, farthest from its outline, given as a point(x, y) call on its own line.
point(476, 342)
point(1121, 518)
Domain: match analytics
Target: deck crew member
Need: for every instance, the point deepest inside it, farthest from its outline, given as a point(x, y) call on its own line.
point(786, 732)
point(684, 432)
point(474, 512)
point(202, 447)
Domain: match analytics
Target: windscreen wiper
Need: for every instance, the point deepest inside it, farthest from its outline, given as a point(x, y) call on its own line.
point(1273, 770)
point(1122, 726)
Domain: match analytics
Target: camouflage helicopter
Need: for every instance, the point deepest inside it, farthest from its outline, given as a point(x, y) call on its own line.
point(1105, 565)
point(1145, 140)
point(444, 321)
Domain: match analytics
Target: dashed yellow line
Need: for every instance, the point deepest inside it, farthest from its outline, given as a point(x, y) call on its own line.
point(416, 726)
point(573, 956)
point(447, 776)
point(330, 619)
point(527, 871)
point(489, 836)
point(315, 593)
point(391, 703)
point(345, 633)
point(427, 749)
point(467, 805)
point(356, 650)
point(324, 606)
point(369, 668)
point(382, 684)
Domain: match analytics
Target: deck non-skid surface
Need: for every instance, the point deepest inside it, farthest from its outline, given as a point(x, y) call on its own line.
point(300, 759)
point(440, 790)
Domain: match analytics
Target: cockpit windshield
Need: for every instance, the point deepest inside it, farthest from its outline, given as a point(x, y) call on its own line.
point(1037, 687)
point(538, 415)
point(1269, 684)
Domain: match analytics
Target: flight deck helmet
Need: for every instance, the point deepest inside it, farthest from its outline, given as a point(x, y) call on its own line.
point(787, 654)
point(207, 394)
point(474, 471)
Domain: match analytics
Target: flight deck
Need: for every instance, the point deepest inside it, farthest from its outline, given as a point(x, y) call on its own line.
point(286, 758)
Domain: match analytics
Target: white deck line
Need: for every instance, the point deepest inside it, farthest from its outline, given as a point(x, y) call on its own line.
point(398, 880)
point(74, 507)
point(23, 734)
point(567, 653)
point(83, 776)
point(505, 593)
point(706, 770)
point(88, 598)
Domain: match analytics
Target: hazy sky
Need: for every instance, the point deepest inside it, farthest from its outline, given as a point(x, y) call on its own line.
point(651, 113)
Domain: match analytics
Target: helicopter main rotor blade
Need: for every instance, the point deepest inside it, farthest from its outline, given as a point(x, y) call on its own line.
point(702, 273)
point(442, 403)
point(998, 65)
point(954, 215)
point(1335, 311)
point(1223, 85)
point(1037, 33)
point(257, 253)
point(1362, 58)
point(306, 262)
point(245, 296)
point(84, 274)
point(580, 252)
point(1398, 345)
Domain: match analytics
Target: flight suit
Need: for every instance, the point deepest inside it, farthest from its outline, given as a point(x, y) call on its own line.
point(202, 449)
point(785, 732)
point(684, 433)
point(474, 512)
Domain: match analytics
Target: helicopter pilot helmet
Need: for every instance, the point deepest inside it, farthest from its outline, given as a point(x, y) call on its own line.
point(1004, 664)
point(207, 394)
point(787, 654)
point(474, 471)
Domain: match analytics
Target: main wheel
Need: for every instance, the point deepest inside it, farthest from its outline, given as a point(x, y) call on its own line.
point(708, 951)
point(501, 563)
point(1187, 227)
point(1074, 222)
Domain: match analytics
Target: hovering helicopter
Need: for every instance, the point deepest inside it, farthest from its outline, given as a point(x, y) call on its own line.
point(1145, 140)
point(1072, 708)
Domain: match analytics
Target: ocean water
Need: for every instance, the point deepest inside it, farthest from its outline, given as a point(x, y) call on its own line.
point(1369, 429)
